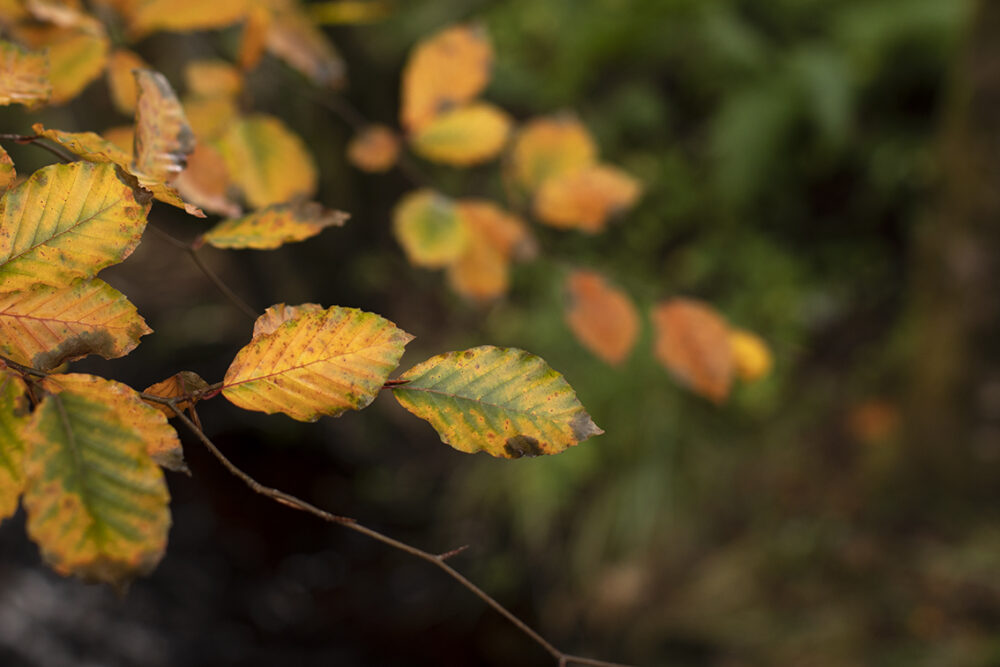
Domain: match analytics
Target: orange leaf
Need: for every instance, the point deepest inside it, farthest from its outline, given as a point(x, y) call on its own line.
point(586, 198)
point(121, 81)
point(212, 78)
point(502, 230)
point(692, 341)
point(253, 40)
point(447, 69)
point(205, 181)
point(121, 137)
point(482, 271)
point(24, 76)
point(464, 135)
point(184, 385)
point(601, 317)
point(374, 149)
point(547, 147)
point(163, 138)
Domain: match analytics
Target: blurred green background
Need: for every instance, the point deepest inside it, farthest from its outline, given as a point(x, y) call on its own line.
point(806, 166)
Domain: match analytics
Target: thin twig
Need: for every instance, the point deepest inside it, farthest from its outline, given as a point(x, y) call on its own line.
point(35, 140)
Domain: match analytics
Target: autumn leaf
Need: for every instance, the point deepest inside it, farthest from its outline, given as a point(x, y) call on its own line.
point(253, 39)
point(464, 136)
point(428, 227)
point(502, 230)
point(345, 12)
point(268, 162)
point(210, 117)
point(320, 362)
point(280, 313)
point(205, 182)
point(184, 385)
point(159, 438)
point(121, 81)
point(44, 327)
point(547, 147)
point(586, 198)
point(163, 138)
point(76, 56)
point(183, 15)
point(67, 222)
point(374, 149)
point(506, 402)
point(692, 341)
point(7, 172)
point(63, 14)
point(495, 236)
point(13, 411)
point(274, 226)
point(211, 78)
point(292, 37)
point(96, 502)
point(24, 76)
point(602, 317)
point(444, 71)
point(751, 356)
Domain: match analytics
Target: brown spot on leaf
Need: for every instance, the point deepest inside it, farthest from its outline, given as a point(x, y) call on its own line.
point(522, 445)
point(77, 347)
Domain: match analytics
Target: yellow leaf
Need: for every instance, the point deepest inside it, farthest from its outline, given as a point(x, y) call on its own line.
point(274, 226)
point(463, 136)
point(44, 327)
point(253, 39)
point(76, 57)
point(601, 317)
point(121, 81)
point(184, 385)
point(67, 222)
point(13, 408)
point(24, 76)
point(446, 70)
point(210, 117)
point(268, 162)
point(751, 355)
point(506, 402)
point(374, 149)
point(163, 138)
point(63, 14)
point(121, 137)
point(292, 37)
point(205, 182)
point(428, 227)
point(7, 172)
point(586, 198)
point(184, 15)
point(211, 78)
point(318, 363)
point(692, 341)
point(547, 147)
point(96, 502)
point(340, 12)
point(148, 423)
point(280, 313)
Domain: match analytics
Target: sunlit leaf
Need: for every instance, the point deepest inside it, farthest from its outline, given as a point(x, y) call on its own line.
point(463, 136)
point(322, 362)
point(585, 199)
point(274, 226)
point(506, 402)
point(7, 172)
point(13, 411)
point(159, 438)
point(209, 78)
point(339, 12)
point(76, 57)
point(428, 227)
point(121, 81)
point(692, 342)
point(183, 385)
point(184, 15)
point(96, 501)
point(268, 162)
point(292, 37)
point(67, 222)
point(163, 138)
point(602, 317)
point(205, 181)
point(24, 76)
point(547, 147)
point(751, 356)
point(46, 326)
point(444, 71)
point(374, 149)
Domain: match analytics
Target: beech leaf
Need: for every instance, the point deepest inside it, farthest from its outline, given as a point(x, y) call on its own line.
point(183, 385)
point(464, 136)
point(184, 15)
point(274, 226)
point(374, 149)
point(586, 198)
point(24, 76)
point(7, 172)
point(692, 342)
point(751, 355)
point(601, 317)
point(429, 228)
point(76, 56)
point(163, 138)
point(121, 81)
point(294, 38)
point(547, 147)
point(13, 411)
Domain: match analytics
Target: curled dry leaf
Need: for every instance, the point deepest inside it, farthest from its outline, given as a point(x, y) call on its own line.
point(185, 385)
point(24, 76)
point(429, 228)
point(374, 149)
point(163, 138)
point(751, 355)
point(692, 342)
point(463, 136)
point(503, 401)
point(445, 70)
point(586, 198)
point(547, 147)
point(274, 226)
point(601, 317)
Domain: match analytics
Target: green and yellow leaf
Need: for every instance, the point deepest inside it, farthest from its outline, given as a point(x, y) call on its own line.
point(320, 362)
point(503, 401)
point(67, 222)
point(601, 316)
point(96, 501)
point(274, 226)
point(24, 76)
point(7, 172)
point(464, 136)
point(44, 327)
point(547, 147)
point(267, 161)
point(13, 411)
point(692, 342)
point(585, 199)
point(429, 228)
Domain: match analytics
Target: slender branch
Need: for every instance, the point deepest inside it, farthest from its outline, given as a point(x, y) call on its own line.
point(437, 560)
point(35, 140)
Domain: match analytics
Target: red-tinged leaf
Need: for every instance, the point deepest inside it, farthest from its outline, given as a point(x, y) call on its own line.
point(463, 136)
point(67, 222)
point(429, 228)
point(13, 416)
point(375, 149)
point(274, 226)
point(585, 199)
point(547, 147)
point(24, 76)
point(692, 342)
point(320, 362)
point(506, 402)
point(96, 502)
point(186, 386)
point(44, 327)
point(163, 138)
point(601, 317)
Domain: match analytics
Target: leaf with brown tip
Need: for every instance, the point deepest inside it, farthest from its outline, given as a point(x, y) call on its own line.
point(692, 341)
point(601, 317)
point(272, 227)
